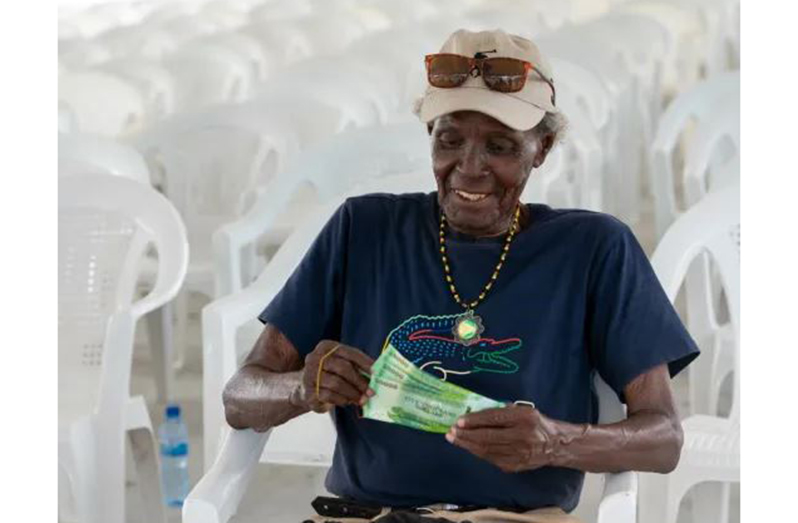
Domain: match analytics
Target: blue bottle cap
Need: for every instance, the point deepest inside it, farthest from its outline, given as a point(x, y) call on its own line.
point(172, 411)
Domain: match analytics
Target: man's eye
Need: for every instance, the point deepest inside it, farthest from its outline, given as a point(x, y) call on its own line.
point(448, 140)
point(500, 147)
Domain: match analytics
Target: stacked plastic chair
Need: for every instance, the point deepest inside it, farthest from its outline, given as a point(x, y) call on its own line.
point(710, 458)
point(105, 225)
point(103, 103)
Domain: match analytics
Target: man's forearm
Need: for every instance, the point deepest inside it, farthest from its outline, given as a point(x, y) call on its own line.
point(646, 441)
point(260, 399)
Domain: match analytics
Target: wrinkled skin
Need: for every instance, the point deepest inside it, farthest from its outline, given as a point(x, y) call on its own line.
point(475, 153)
point(471, 152)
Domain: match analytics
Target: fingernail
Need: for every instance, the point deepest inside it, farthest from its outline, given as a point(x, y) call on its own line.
point(370, 393)
point(450, 437)
point(461, 422)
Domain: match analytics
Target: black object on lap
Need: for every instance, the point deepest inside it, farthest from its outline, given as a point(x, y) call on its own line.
point(343, 508)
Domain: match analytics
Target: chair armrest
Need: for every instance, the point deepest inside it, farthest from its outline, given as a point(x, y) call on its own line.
point(216, 497)
point(230, 239)
point(221, 320)
point(619, 500)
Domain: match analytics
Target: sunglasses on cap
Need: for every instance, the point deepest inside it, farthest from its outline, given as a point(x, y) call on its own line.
point(506, 75)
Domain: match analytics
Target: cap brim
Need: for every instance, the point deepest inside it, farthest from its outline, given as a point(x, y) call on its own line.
point(513, 112)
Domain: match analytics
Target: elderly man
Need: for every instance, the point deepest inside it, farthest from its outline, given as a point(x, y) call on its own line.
point(559, 294)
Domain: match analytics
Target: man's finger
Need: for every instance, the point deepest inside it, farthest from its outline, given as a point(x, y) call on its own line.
point(346, 370)
point(340, 386)
point(488, 436)
point(499, 417)
point(359, 358)
point(331, 396)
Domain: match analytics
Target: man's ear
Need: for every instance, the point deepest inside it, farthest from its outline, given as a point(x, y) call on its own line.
point(546, 143)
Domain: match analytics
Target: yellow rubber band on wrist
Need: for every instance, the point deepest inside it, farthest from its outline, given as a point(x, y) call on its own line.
point(321, 368)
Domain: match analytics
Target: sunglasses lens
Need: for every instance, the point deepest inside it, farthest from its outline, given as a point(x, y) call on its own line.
point(447, 70)
point(506, 75)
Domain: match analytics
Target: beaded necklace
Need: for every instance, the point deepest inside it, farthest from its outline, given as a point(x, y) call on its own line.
point(469, 327)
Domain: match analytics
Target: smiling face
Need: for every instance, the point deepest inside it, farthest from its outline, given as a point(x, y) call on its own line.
point(481, 167)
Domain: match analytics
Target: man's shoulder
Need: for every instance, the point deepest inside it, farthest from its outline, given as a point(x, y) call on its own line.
point(387, 205)
point(597, 225)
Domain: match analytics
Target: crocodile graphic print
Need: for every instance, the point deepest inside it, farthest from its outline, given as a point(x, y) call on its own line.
point(428, 342)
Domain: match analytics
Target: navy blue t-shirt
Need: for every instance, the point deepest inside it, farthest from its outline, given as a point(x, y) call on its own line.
point(576, 295)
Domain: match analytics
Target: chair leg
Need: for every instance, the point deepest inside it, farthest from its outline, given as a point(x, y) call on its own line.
point(659, 496)
point(711, 502)
point(160, 334)
point(143, 446)
point(181, 334)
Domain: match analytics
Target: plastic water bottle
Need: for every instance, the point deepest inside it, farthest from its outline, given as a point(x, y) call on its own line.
point(173, 438)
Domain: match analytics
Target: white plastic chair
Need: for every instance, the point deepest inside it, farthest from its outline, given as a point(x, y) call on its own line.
point(717, 19)
point(322, 172)
point(210, 166)
point(155, 83)
point(619, 192)
point(352, 86)
point(105, 225)
point(261, 59)
point(686, 37)
point(103, 103)
point(582, 183)
point(282, 38)
point(141, 41)
point(208, 73)
point(716, 96)
point(80, 154)
point(711, 451)
point(308, 120)
point(79, 53)
point(331, 33)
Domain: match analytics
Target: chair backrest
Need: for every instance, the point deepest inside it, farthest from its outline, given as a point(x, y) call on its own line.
point(156, 84)
point(336, 164)
point(208, 73)
point(78, 53)
point(714, 96)
point(585, 88)
point(103, 103)
point(714, 155)
point(711, 228)
point(106, 224)
point(288, 43)
point(261, 60)
point(211, 167)
point(355, 87)
point(80, 154)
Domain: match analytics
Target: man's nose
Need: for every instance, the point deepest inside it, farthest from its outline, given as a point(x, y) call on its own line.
point(472, 162)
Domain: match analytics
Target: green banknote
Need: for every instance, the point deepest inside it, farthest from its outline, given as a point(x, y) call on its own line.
point(406, 395)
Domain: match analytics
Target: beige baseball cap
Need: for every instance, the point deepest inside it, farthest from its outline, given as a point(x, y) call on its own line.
point(521, 111)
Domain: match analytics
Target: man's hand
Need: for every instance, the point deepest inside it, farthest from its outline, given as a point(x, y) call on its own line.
point(333, 376)
point(514, 438)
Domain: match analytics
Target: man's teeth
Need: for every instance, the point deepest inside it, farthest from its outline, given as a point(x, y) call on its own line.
point(470, 196)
